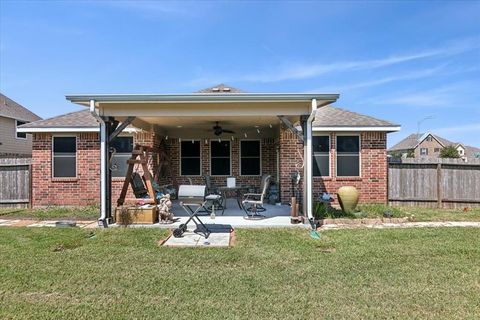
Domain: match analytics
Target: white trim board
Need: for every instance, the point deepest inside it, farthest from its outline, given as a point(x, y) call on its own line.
point(71, 130)
point(356, 129)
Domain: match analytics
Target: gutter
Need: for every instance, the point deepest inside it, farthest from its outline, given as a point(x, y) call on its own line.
point(202, 97)
point(103, 166)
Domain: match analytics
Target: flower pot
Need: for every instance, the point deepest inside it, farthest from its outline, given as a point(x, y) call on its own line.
point(348, 198)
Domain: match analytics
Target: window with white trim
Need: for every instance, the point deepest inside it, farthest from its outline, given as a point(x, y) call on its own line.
point(190, 164)
point(321, 156)
point(220, 158)
point(250, 159)
point(64, 157)
point(424, 151)
point(348, 156)
point(122, 151)
point(20, 135)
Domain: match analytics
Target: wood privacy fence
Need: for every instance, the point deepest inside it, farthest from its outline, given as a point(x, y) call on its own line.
point(15, 182)
point(440, 183)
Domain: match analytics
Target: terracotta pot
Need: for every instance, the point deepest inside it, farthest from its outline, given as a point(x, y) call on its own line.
point(348, 198)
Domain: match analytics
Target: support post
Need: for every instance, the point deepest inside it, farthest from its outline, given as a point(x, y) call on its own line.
point(104, 207)
point(439, 186)
point(308, 171)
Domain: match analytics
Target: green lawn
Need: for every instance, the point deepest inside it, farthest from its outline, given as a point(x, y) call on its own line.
point(269, 274)
point(422, 214)
point(79, 213)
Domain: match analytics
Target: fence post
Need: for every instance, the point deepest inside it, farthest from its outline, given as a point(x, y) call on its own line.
point(439, 185)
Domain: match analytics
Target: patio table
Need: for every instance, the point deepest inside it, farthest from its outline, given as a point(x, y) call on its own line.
point(237, 190)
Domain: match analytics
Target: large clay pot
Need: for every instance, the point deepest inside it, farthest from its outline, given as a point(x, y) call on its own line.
point(348, 198)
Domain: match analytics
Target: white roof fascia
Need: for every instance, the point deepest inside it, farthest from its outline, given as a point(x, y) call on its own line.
point(387, 129)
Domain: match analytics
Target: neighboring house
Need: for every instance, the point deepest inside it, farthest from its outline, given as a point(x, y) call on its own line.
point(12, 115)
point(346, 148)
point(429, 145)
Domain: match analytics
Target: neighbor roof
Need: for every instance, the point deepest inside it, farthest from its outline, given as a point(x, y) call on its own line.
point(78, 120)
point(330, 117)
point(11, 109)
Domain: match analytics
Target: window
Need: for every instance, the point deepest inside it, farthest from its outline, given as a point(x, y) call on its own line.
point(20, 135)
point(190, 158)
point(460, 152)
point(250, 158)
point(436, 150)
point(429, 138)
point(321, 156)
point(64, 157)
point(123, 151)
point(423, 151)
point(220, 158)
point(348, 156)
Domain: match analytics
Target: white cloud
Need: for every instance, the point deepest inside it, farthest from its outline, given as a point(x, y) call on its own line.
point(312, 70)
point(395, 77)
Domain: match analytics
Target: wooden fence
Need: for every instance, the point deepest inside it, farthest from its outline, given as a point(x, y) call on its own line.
point(440, 183)
point(15, 182)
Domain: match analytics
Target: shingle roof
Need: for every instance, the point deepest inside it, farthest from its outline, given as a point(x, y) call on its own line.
point(77, 119)
point(408, 143)
point(11, 109)
point(221, 88)
point(331, 116)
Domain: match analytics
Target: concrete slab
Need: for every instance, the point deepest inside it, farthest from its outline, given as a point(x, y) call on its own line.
point(220, 236)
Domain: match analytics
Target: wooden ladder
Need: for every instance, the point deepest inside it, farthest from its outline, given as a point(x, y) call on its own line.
point(139, 156)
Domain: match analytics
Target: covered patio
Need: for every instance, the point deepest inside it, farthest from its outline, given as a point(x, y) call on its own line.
point(215, 134)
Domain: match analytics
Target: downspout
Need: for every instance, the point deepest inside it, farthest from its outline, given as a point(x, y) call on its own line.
point(102, 221)
point(308, 171)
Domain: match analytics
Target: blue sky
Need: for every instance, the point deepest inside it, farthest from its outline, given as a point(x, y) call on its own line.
point(399, 61)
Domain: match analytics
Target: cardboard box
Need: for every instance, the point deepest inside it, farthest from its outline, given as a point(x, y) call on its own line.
point(137, 215)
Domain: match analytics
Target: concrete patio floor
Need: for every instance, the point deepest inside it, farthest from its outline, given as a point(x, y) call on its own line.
point(275, 217)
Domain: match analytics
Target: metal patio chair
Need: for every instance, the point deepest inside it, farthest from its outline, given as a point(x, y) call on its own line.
point(253, 202)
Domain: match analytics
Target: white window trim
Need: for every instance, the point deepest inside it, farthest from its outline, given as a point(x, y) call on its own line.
point(210, 158)
point(180, 158)
point(426, 154)
point(240, 158)
point(17, 131)
point(315, 134)
point(53, 154)
point(359, 154)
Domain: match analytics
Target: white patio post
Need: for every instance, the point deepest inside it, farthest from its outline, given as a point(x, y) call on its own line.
point(103, 166)
point(308, 171)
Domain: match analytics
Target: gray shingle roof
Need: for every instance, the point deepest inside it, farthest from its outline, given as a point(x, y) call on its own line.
point(408, 143)
point(221, 88)
point(11, 109)
point(77, 119)
point(331, 116)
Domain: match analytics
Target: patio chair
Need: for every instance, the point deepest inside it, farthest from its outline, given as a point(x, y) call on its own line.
point(214, 198)
point(253, 202)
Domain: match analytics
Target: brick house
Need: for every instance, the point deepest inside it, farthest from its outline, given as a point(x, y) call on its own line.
point(429, 145)
point(260, 134)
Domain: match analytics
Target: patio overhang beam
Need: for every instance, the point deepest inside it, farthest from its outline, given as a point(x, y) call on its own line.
point(292, 128)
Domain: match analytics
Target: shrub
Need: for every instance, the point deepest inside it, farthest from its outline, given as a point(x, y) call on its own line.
point(449, 152)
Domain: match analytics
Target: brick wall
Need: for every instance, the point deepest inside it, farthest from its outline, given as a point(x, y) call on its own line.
point(268, 150)
point(85, 188)
point(372, 183)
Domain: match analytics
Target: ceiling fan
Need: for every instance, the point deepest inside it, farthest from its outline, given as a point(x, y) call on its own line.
point(218, 130)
